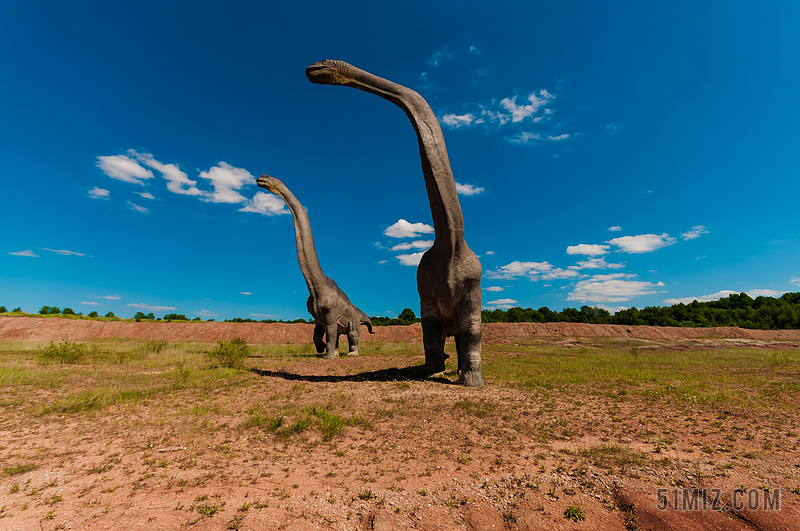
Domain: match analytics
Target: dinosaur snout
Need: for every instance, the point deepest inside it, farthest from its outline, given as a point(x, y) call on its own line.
point(265, 181)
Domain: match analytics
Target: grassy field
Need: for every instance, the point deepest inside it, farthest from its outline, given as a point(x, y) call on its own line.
point(229, 435)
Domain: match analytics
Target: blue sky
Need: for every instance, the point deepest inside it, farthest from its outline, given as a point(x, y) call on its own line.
point(613, 154)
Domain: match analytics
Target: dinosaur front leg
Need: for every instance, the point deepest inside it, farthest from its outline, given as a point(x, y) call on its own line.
point(432, 338)
point(469, 336)
point(319, 342)
point(331, 337)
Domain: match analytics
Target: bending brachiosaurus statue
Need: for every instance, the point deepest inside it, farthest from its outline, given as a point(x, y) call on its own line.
point(449, 274)
point(332, 310)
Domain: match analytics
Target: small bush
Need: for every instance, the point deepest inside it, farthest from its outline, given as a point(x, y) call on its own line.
point(92, 314)
point(154, 346)
point(574, 512)
point(66, 352)
point(3, 309)
point(229, 354)
point(110, 314)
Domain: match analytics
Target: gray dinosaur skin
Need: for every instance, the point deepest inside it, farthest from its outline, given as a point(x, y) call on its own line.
point(449, 274)
point(333, 312)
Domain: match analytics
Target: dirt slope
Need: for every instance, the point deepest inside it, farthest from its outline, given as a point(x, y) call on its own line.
point(43, 329)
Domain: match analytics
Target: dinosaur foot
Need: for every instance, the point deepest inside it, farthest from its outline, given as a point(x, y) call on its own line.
point(331, 355)
point(353, 353)
point(470, 379)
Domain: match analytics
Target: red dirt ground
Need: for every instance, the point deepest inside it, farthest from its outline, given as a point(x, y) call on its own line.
point(406, 472)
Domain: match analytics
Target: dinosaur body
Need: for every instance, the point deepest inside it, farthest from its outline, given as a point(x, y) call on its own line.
point(449, 274)
point(333, 312)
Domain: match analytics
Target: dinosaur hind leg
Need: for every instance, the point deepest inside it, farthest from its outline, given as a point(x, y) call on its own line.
point(352, 341)
point(469, 336)
point(331, 338)
point(433, 338)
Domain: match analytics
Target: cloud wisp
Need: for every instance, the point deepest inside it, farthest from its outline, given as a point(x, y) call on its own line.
point(266, 204)
point(123, 168)
point(696, 232)
point(468, 189)
point(62, 252)
point(588, 249)
point(643, 243)
point(723, 294)
point(150, 307)
point(27, 252)
point(138, 208)
point(178, 182)
point(99, 193)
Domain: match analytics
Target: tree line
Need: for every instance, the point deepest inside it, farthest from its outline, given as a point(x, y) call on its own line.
point(739, 310)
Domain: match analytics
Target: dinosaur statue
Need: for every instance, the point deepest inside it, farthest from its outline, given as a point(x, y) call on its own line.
point(449, 274)
point(333, 312)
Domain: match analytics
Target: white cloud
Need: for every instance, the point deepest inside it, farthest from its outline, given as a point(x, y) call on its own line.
point(765, 293)
point(459, 120)
point(267, 204)
point(438, 57)
point(124, 169)
point(696, 232)
point(519, 269)
point(99, 193)
point(588, 249)
point(110, 297)
point(404, 229)
point(245, 293)
point(146, 195)
point(143, 306)
point(611, 288)
point(382, 261)
point(524, 138)
point(494, 288)
point(61, 252)
point(418, 244)
point(643, 243)
point(611, 309)
point(263, 316)
point(520, 112)
point(558, 138)
point(410, 259)
point(468, 189)
point(28, 253)
point(596, 263)
point(177, 181)
point(795, 280)
point(474, 49)
point(137, 208)
point(227, 180)
point(206, 313)
point(725, 293)
point(615, 228)
point(502, 301)
point(558, 273)
point(489, 252)
point(92, 303)
point(611, 129)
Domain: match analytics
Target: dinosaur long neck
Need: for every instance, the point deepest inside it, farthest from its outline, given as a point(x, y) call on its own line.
point(448, 221)
point(306, 253)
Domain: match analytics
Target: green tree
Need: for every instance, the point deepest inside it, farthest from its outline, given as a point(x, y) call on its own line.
point(3, 309)
point(17, 309)
point(92, 314)
point(50, 310)
point(408, 316)
point(175, 317)
point(110, 314)
point(140, 315)
point(68, 311)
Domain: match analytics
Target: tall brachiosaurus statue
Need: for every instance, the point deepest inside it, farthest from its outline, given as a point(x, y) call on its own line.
point(449, 274)
point(333, 312)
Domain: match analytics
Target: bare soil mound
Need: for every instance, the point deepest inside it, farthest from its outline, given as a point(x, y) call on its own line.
point(44, 329)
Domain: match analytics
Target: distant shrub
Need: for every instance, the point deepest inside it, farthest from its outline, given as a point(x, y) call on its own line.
point(154, 345)
point(229, 353)
point(68, 311)
point(92, 314)
point(3, 309)
point(66, 352)
point(17, 309)
point(110, 314)
point(175, 317)
point(196, 319)
point(49, 310)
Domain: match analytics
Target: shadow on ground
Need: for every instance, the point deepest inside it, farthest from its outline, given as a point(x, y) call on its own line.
point(416, 373)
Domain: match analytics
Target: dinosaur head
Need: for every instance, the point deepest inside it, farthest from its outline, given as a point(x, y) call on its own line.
point(330, 72)
point(270, 183)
